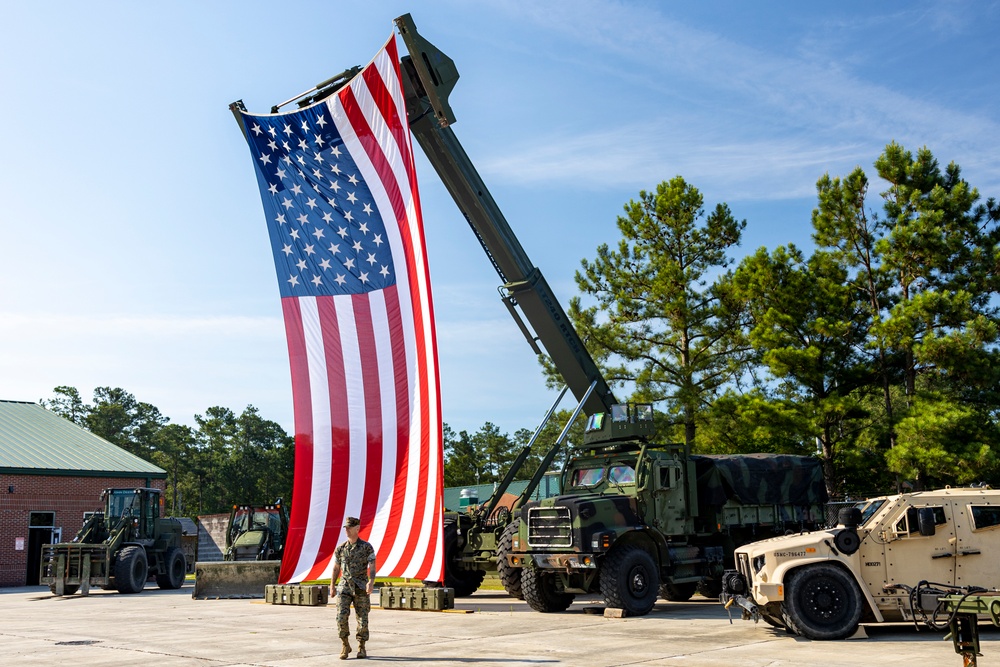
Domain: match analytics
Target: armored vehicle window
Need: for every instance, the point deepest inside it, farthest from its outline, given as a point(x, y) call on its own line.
point(668, 476)
point(985, 516)
point(869, 508)
point(914, 529)
point(588, 476)
point(623, 474)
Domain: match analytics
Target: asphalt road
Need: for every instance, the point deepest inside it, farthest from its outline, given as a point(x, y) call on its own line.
point(168, 628)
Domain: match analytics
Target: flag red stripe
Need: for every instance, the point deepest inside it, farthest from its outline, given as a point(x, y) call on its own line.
point(383, 168)
point(340, 437)
point(303, 436)
point(373, 407)
point(396, 518)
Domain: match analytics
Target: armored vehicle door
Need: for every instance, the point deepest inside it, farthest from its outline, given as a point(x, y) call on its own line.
point(977, 526)
point(920, 549)
point(668, 497)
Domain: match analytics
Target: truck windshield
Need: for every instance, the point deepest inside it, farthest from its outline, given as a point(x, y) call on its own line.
point(621, 474)
point(123, 503)
point(587, 476)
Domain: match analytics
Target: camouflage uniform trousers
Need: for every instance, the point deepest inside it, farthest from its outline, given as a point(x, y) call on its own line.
point(362, 605)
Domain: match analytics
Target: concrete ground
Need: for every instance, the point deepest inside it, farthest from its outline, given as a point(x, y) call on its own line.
point(168, 628)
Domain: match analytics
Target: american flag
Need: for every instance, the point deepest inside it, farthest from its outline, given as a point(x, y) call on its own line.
point(339, 188)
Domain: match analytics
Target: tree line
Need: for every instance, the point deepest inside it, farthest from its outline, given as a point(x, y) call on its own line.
point(876, 350)
point(226, 459)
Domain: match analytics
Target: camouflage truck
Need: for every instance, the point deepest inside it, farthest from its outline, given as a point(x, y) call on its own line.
point(639, 520)
point(892, 558)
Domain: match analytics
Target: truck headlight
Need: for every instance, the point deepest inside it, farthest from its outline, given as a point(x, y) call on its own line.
point(600, 541)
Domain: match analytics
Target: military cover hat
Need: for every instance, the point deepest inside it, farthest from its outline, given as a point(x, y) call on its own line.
point(351, 522)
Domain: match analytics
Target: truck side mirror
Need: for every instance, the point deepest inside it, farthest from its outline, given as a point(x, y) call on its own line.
point(925, 520)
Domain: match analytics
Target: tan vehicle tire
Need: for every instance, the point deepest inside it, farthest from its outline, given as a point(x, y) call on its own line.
point(822, 602)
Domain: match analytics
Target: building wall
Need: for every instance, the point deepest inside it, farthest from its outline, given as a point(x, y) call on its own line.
point(68, 497)
point(212, 536)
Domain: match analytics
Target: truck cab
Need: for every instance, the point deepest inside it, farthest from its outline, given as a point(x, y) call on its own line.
point(889, 559)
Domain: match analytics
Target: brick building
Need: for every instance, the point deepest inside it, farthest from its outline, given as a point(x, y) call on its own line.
point(52, 473)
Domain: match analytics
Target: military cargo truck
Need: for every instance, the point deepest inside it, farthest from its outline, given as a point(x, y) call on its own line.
point(638, 520)
point(890, 558)
point(118, 548)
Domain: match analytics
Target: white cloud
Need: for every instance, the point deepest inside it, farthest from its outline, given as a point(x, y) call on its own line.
point(774, 116)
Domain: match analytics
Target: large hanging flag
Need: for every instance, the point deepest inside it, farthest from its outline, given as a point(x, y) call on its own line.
point(339, 188)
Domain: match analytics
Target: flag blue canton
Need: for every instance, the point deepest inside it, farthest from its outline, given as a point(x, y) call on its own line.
point(326, 232)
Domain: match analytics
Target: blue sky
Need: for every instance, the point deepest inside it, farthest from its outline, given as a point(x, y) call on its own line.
point(134, 253)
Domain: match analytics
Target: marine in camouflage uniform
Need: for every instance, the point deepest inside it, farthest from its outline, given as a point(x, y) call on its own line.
point(354, 559)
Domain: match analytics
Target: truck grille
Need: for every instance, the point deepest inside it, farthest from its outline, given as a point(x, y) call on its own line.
point(550, 527)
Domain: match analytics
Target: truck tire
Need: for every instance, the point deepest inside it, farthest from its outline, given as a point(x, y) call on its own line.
point(464, 582)
point(710, 588)
point(677, 592)
point(822, 602)
point(540, 591)
point(630, 580)
point(510, 576)
point(176, 568)
point(131, 570)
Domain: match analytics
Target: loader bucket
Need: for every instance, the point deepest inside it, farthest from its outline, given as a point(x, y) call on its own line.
point(234, 579)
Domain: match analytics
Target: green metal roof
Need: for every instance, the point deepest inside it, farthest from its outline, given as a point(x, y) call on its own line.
point(36, 441)
point(549, 486)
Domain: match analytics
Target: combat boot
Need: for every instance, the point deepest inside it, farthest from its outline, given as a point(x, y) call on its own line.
point(362, 653)
point(346, 652)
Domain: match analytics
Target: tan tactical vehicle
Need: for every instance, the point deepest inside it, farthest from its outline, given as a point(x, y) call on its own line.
point(889, 559)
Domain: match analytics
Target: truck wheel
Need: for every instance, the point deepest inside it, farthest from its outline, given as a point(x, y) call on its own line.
point(677, 592)
point(630, 580)
point(68, 589)
point(131, 570)
point(540, 592)
point(176, 568)
point(510, 576)
point(822, 602)
point(465, 582)
point(710, 588)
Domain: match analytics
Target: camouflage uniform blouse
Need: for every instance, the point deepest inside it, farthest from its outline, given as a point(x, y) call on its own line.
point(354, 560)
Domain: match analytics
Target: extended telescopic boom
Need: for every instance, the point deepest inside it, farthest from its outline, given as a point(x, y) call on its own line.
point(428, 78)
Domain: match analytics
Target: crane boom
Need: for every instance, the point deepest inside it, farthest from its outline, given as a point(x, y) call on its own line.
point(428, 78)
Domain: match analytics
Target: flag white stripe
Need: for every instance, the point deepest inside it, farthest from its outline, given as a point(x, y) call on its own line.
point(322, 435)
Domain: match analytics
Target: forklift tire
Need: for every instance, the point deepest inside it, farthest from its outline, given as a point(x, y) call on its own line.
point(822, 602)
point(131, 570)
point(176, 568)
